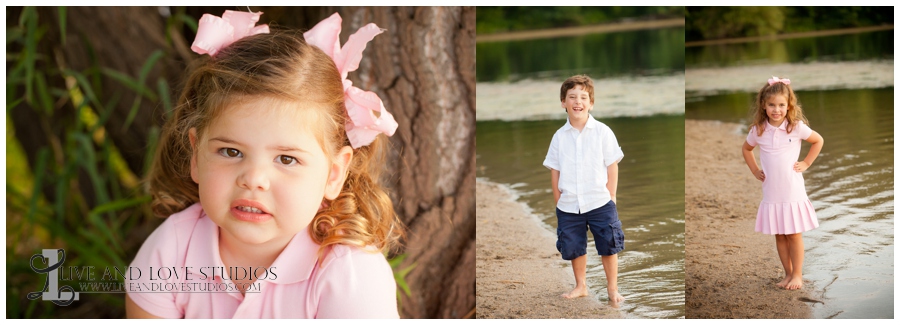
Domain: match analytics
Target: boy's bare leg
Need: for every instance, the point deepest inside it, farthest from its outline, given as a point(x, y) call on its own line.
point(579, 266)
point(795, 247)
point(781, 242)
point(611, 267)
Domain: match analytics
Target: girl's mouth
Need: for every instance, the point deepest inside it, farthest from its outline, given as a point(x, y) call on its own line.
point(248, 210)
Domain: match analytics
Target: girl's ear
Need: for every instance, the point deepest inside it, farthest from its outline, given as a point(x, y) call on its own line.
point(338, 173)
point(192, 134)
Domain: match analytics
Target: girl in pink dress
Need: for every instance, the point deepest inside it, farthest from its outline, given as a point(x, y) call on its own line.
point(268, 175)
point(785, 211)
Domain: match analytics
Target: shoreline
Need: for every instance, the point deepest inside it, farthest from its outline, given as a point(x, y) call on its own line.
point(520, 274)
point(730, 270)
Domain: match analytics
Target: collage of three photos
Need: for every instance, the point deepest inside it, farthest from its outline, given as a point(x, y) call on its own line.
point(450, 162)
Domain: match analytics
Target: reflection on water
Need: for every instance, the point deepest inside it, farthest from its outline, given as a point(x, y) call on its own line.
point(862, 46)
point(850, 256)
point(650, 200)
point(642, 52)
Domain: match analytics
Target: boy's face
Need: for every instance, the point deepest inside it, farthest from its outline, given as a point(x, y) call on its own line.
point(578, 103)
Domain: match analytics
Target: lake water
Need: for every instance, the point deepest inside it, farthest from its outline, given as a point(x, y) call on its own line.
point(642, 52)
point(850, 257)
point(650, 200)
point(849, 47)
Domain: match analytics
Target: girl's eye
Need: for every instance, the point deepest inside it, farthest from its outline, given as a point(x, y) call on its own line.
point(230, 152)
point(286, 160)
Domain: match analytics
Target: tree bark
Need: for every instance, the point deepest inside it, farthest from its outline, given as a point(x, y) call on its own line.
point(423, 68)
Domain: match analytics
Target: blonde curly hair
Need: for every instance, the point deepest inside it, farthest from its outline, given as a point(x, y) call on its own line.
point(280, 65)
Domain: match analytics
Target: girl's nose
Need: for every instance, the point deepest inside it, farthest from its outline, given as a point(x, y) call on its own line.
point(254, 178)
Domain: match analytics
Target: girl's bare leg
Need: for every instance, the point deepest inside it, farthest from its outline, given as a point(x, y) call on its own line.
point(795, 247)
point(579, 267)
point(781, 242)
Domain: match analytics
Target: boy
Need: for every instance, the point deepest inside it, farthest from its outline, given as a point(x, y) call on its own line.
point(584, 170)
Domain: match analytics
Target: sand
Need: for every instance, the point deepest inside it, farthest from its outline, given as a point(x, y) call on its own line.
point(730, 270)
point(518, 270)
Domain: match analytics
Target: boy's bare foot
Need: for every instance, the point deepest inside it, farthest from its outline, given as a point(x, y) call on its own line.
point(615, 298)
point(783, 282)
point(576, 293)
point(794, 284)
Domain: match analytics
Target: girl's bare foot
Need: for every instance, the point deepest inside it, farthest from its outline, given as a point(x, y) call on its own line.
point(615, 298)
point(794, 284)
point(576, 293)
point(783, 282)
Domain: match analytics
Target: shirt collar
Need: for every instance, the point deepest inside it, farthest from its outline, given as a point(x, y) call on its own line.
point(782, 126)
point(295, 263)
point(591, 123)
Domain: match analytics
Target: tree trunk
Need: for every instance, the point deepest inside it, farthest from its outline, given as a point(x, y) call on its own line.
point(423, 67)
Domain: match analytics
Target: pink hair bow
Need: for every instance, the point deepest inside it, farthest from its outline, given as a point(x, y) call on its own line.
point(775, 80)
point(214, 33)
point(363, 126)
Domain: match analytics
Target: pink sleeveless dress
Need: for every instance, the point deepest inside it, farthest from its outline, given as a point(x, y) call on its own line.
point(785, 208)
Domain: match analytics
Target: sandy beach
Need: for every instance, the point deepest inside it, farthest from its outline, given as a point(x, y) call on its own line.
point(518, 270)
point(730, 270)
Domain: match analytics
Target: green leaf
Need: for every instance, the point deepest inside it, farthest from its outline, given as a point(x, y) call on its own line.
point(62, 23)
point(129, 82)
point(162, 87)
point(29, 19)
point(46, 102)
point(188, 20)
point(85, 88)
point(120, 204)
point(39, 174)
point(142, 77)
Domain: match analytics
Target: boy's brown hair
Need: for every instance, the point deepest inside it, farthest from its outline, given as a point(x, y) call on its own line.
point(578, 80)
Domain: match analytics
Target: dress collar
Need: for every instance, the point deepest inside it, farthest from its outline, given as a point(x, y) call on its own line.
point(295, 263)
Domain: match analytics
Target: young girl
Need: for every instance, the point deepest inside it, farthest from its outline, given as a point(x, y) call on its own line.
point(785, 211)
point(268, 168)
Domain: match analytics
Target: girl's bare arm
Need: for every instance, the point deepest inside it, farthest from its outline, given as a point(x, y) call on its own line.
point(747, 150)
point(817, 143)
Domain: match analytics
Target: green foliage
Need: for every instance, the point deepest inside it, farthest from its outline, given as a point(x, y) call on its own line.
point(46, 204)
point(729, 22)
point(490, 20)
point(400, 276)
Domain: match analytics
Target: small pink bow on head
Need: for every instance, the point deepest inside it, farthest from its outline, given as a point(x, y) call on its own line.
point(775, 80)
point(214, 33)
point(363, 126)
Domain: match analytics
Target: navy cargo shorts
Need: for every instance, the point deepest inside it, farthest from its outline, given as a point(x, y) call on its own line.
point(603, 222)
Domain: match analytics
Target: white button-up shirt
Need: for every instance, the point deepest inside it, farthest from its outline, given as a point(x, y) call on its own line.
point(582, 159)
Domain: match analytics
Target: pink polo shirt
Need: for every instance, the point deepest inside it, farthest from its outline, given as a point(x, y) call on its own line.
point(349, 282)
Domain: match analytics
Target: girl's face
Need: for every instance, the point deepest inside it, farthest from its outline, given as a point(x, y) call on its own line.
point(776, 109)
point(261, 172)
